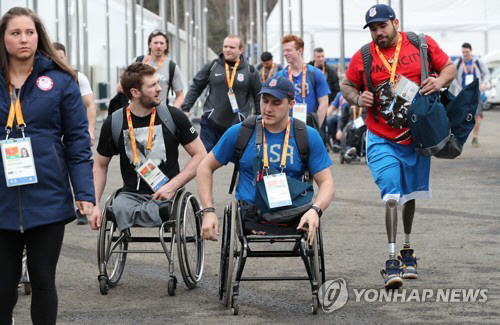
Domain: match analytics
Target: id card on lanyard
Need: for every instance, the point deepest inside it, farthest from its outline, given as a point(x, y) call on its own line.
point(135, 152)
point(278, 193)
point(299, 110)
point(469, 75)
point(230, 83)
point(17, 153)
point(152, 175)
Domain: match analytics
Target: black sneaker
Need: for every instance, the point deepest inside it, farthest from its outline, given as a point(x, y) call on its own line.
point(409, 263)
point(392, 274)
point(81, 220)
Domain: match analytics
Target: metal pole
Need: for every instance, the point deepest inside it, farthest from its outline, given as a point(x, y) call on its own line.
point(342, 41)
point(264, 28)
point(401, 15)
point(236, 8)
point(290, 16)
point(301, 19)
point(142, 25)
point(77, 34)
point(165, 16)
point(259, 27)
point(252, 48)
point(192, 48)
point(127, 58)
point(187, 39)
point(177, 34)
point(57, 20)
point(229, 12)
point(68, 30)
point(198, 35)
point(108, 52)
point(35, 5)
point(134, 29)
point(205, 32)
point(282, 60)
point(85, 39)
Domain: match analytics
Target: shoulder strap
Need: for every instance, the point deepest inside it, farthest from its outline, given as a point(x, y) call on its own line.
point(366, 54)
point(140, 58)
point(479, 67)
point(171, 72)
point(424, 59)
point(302, 141)
point(414, 39)
point(459, 62)
point(310, 71)
point(116, 125)
point(166, 119)
point(246, 130)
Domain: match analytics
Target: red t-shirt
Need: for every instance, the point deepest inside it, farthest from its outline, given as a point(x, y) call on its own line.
point(408, 66)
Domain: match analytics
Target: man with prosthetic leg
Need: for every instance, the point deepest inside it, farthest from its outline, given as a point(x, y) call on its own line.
point(388, 73)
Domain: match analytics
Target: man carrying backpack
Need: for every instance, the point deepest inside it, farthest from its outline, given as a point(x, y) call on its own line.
point(470, 67)
point(146, 135)
point(311, 88)
point(392, 59)
point(169, 73)
point(278, 139)
point(233, 84)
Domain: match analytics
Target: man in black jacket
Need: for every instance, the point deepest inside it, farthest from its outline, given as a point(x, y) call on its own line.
point(234, 88)
point(331, 78)
point(330, 74)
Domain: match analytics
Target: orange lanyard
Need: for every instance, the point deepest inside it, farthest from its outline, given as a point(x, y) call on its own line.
point(15, 110)
point(354, 112)
point(159, 63)
point(304, 67)
point(285, 146)
point(269, 75)
point(392, 70)
point(132, 134)
point(230, 80)
point(466, 70)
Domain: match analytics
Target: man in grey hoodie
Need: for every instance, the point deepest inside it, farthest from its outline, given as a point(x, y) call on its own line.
point(234, 87)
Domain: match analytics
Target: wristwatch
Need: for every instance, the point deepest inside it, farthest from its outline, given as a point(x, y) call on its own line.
point(318, 210)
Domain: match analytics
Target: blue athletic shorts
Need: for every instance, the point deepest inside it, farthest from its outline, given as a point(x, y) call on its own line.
point(398, 171)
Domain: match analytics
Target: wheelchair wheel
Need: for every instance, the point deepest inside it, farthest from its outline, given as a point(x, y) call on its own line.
point(190, 246)
point(321, 255)
point(316, 261)
point(232, 254)
point(114, 263)
point(223, 255)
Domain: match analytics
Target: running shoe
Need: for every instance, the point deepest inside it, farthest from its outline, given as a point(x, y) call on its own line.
point(409, 263)
point(392, 274)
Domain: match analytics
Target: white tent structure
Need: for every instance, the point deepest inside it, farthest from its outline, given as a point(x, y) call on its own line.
point(449, 22)
point(87, 43)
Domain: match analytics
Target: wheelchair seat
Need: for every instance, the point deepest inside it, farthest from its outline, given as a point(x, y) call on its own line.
point(165, 210)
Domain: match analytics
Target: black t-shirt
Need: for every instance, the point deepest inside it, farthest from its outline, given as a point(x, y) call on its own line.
point(164, 150)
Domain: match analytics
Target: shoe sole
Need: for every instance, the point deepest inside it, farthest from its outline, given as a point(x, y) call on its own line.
point(394, 283)
point(410, 276)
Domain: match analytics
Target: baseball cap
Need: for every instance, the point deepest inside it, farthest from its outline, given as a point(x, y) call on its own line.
point(278, 87)
point(379, 13)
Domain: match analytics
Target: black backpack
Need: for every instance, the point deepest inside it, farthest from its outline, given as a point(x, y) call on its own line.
point(416, 40)
point(171, 71)
point(247, 127)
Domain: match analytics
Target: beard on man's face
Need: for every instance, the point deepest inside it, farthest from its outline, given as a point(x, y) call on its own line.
point(385, 41)
point(148, 102)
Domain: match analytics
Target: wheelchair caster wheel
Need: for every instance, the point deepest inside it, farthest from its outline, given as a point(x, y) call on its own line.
point(314, 305)
point(103, 286)
point(236, 306)
point(172, 285)
point(27, 288)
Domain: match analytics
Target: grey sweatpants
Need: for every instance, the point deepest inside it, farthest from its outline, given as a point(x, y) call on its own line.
point(136, 209)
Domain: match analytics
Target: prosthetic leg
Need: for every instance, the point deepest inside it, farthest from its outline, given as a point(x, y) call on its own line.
point(392, 271)
point(406, 255)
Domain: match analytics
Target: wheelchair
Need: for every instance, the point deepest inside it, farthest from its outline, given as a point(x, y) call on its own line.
point(236, 247)
point(344, 157)
point(182, 229)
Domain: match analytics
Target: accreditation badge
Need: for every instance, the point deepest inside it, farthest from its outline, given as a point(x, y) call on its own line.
point(358, 122)
point(278, 193)
point(232, 100)
point(406, 89)
point(152, 175)
point(469, 78)
point(300, 112)
point(18, 162)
